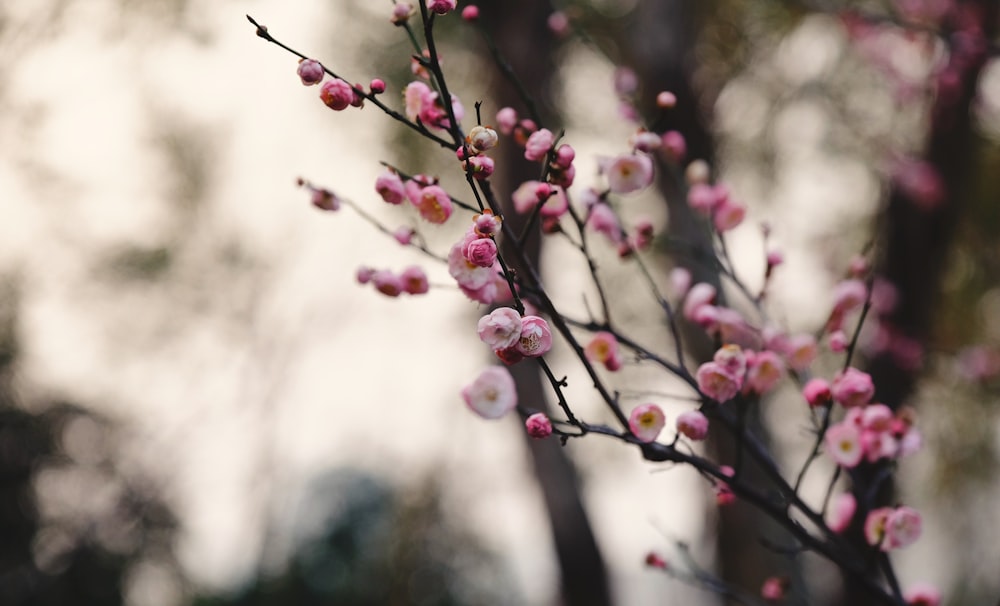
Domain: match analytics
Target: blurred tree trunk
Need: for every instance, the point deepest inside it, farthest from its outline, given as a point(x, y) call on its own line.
point(660, 44)
point(917, 233)
point(519, 28)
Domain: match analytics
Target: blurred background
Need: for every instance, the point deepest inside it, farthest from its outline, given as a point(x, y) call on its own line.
point(199, 405)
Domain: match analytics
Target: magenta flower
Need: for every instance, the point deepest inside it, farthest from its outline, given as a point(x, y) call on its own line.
point(310, 71)
point(493, 393)
point(536, 338)
point(693, 424)
point(538, 145)
point(506, 120)
point(387, 283)
point(817, 391)
point(842, 508)
point(414, 280)
point(629, 173)
point(852, 387)
point(482, 252)
point(674, 146)
point(441, 7)
point(923, 594)
point(603, 220)
point(434, 204)
point(390, 187)
point(538, 425)
point(336, 94)
point(501, 328)
point(646, 422)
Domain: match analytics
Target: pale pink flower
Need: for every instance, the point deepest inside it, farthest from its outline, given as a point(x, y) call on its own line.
point(645, 141)
point(764, 371)
point(922, 594)
point(717, 383)
point(626, 81)
point(878, 445)
point(482, 138)
point(702, 198)
point(838, 341)
point(364, 274)
point(732, 359)
point(525, 197)
point(817, 391)
point(481, 166)
point(501, 328)
point(848, 295)
point(775, 258)
point(852, 387)
point(486, 224)
point(646, 422)
point(910, 442)
point(482, 252)
point(728, 215)
point(310, 71)
point(558, 24)
point(555, 205)
point(902, 528)
point(535, 339)
point(773, 589)
point(506, 120)
point(843, 443)
point(701, 294)
point(603, 348)
point(336, 94)
point(693, 424)
point(841, 512)
point(416, 96)
point(538, 145)
point(875, 525)
point(401, 12)
point(800, 351)
point(387, 283)
point(680, 281)
point(414, 280)
point(877, 417)
point(629, 173)
point(390, 187)
point(434, 204)
point(674, 146)
point(493, 393)
point(469, 277)
point(442, 7)
point(603, 220)
point(538, 425)
point(666, 99)
point(404, 235)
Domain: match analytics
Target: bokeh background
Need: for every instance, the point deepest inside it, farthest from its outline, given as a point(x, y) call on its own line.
point(199, 405)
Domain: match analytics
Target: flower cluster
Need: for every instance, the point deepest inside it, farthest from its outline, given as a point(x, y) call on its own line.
point(514, 337)
point(411, 281)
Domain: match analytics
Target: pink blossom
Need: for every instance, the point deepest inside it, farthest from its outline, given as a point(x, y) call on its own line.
point(732, 359)
point(434, 204)
point(717, 383)
point(666, 99)
point(875, 525)
point(674, 146)
point(414, 280)
point(655, 560)
point(390, 187)
point(773, 589)
point(310, 71)
point(817, 392)
point(922, 594)
point(728, 215)
point(555, 205)
point(702, 198)
point(693, 424)
point(538, 145)
point(801, 350)
point(603, 220)
point(387, 283)
point(629, 173)
point(336, 94)
point(626, 81)
point(481, 166)
point(538, 425)
point(535, 339)
point(646, 422)
point(645, 141)
point(558, 24)
point(486, 224)
point(701, 294)
point(565, 154)
point(842, 508)
point(843, 443)
point(324, 199)
point(852, 387)
point(848, 295)
point(416, 95)
point(506, 120)
point(877, 417)
point(482, 138)
point(764, 371)
point(493, 393)
point(501, 328)
point(902, 528)
point(838, 341)
point(482, 252)
point(401, 12)
point(680, 281)
point(525, 197)
point(364, 274)
point(470, 12)
point(441, 7)
point(470, 277)
point(377, 86)
point(644, 232)
point(404, 235)
point(603, 348)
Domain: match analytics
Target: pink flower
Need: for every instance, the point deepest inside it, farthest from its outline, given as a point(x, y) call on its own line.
point(843, 442)
point(404, 235)
point(922, 594)
point(852, 387)
point(674, 146)
point(525, 197)
point(470, 12)
point(377, 86)
point(838, 341)
point(401, 12)
point(645, 141)
point(848, 295)
point(555, 205)
point(817, 392)
point(336, 94)
point(434, 204)
point(680, 281)
point(416, 96)
point(482, 252)
point(655, 560)
point(493, 393)
point(717, 383)
point(732, 359)
point(506, 120)
point(841, 511)
point(701, 294)
point(325, 199)
point(728, 215)
point(535, 339)
point(390, 187)
point(646, 422)
point(538, 145)
point(702, 198)
point(310, 71)
point(666, 99)
point(902, 528)
point(486, 224)
point(693, 424)
point(603, 220)
point(387, 283)
point(414, 280)
point(603, 348)
point(801, 351)
point(481, 166)
point(875, 525)
point(558, 24)
point(364, 274)
point(470, 277)
point(482, 138)
point(442, 7)
point(538, 425)
point(773, 589)
point(764, 371)
point(501, 328)
point(629, 173)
